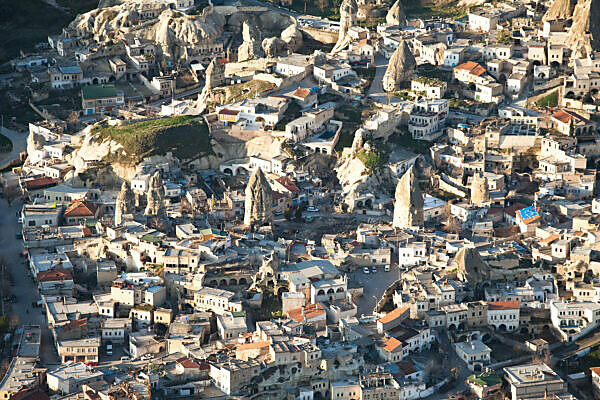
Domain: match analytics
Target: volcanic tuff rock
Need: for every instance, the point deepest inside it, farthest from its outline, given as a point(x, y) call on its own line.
point(584, 35)
point(348, 11)
point(400, 68)
point(396, 15)
point(480, 193)
point(292, 36)
point(259, 200)
point(155, 203)
point(408, 208)
point(251, 47)
point(171, 30)
point(560, 9)
point(125, 203)
point(274, 47)
point(470, 267)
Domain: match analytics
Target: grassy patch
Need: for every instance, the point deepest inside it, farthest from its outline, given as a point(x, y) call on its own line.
point(245, 90)
point(371, 159)
point(427, 9)
point(185, 136)
point(548, 101)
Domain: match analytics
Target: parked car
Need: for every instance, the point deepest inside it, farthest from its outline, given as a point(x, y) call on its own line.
point(147, 356)
point(387, 268)
point(312, 209)
point(373, 269)
point(20, 220)
point(125, 358)
point(366, 270)
point(18, 235)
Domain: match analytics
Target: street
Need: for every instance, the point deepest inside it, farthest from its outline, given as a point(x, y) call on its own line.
point(24, 288)
point(374, 285)
point(19, 141)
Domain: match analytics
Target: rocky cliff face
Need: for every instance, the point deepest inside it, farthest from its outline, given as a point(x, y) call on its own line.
point(396, 15)
point(171, 30)
point(408, 207)
point(356, 180)
point(90, 149)
point(155, 200)
point(584, 35)
point(560, 9)
point(400, 68)
point(259, 200)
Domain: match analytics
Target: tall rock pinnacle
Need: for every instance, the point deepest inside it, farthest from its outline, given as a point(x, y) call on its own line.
point(400, 68)
point(259, 200)
point(125, 203)
point(408, 208)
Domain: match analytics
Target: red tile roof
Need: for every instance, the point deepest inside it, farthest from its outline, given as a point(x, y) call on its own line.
point(227, 111)
point(81, 208)
point(503, 305)
point(472, 67)
point(306, 313)
point(186, 362)
point(58, 274)
point(288, 184)
point(392, 344)
point(302, 93)
point(40, 183)
point(392, 315)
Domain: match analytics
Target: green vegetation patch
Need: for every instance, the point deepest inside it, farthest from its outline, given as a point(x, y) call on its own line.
point(427, 9)
point(550, 100)
point(485, 379)
point(185, 136)
point(371, 159)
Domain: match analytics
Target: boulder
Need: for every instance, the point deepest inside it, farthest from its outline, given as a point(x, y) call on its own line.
point(274, 47)
point(292, 36)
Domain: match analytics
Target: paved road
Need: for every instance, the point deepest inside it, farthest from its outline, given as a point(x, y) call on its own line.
point(19, 141)
point(24, 287)
point(374, 285)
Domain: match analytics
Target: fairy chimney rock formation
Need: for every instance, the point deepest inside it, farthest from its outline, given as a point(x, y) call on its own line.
point(125, 203)
point(259, 200)
point(348, 11)
point(584, 35)
point(396, 15)
point(408, 207)
point(400, 68)
point(155, 200)
point(560, 9)
point(480, 194)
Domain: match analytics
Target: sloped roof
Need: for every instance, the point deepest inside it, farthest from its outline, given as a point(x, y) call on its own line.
point(392, 344)
point(81, 208)
point(58, 274)
point(392, 315)
point(503, 305)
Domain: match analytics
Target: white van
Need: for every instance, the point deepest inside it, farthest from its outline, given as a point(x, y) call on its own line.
point(387, 268)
